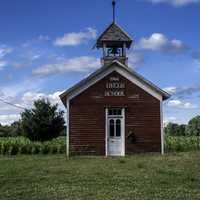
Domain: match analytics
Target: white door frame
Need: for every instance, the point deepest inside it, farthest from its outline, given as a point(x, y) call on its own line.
point(122, 133)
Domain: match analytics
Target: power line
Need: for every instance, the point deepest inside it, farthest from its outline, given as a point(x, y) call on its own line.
point(11, 104)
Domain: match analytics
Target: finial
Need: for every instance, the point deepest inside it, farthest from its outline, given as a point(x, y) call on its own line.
point(113, 4)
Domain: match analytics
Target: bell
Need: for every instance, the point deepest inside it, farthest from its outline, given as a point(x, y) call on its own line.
point(114, 51)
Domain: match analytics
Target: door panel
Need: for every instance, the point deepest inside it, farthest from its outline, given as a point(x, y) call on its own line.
point(115, 132)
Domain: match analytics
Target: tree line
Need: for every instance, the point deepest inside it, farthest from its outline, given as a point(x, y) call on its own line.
point(190, 129)
point(43, 122)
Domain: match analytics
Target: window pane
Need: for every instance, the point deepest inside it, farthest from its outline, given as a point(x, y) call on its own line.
point(110, 112)
point(112, 130)
point(118, 128)
point(114, 112)
point(119, 112)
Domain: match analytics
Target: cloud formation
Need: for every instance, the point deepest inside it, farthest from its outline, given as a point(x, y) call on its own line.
point(8, 119)
point(170, 119)
point(176, 3)
point(135, 59)
point(26, 100)
point(4, 50)
point(77, 64)
point(2, 64)
point(29, 97)
point(74, 39)
point(183, 91)
point(159, 42)
point(180, 104)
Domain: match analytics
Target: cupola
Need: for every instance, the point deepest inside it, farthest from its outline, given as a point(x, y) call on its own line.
point(114, 41)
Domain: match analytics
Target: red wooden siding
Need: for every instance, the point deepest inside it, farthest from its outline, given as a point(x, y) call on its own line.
point(87, 119)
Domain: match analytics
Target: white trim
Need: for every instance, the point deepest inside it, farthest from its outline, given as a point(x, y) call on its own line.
point(106, 132)
point(67, 136)
point(162, 130)
point(90, 83)
point(122, 72)
point(134, 80)
point(124, 133)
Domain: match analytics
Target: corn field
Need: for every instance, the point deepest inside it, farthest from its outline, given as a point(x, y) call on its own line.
point(182, 143)
point(22, 145)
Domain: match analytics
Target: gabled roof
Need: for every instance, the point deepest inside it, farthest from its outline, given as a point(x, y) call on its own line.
point(108, 68)
point(115, 34)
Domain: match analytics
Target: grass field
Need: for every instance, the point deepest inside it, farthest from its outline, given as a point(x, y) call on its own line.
point(139, 177)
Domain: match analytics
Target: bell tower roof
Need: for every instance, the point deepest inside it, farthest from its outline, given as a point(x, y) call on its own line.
point(114, 35)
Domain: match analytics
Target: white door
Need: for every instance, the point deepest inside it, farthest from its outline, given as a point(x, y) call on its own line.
point(115, 132)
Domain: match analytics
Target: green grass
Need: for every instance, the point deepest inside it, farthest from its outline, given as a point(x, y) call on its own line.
point(139, 177)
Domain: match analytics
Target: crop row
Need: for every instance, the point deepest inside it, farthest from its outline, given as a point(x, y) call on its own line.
point(22, 145)
point(182, 143)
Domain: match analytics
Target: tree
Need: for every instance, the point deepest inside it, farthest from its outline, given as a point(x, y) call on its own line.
point(182, 129)
point(193, 127)
point(16, 128)
point(43, 122)
point(175, 129)
point(5, 131)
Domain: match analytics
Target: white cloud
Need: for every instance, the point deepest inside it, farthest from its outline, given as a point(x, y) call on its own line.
point(170, 90)
point(135, 59)
point(170, 119)
point(4, 51)
point(74, 39)
point(179, 104)
point(29, 97)
point(8, 119)
point(9, 114)
point(37, 40)
point(176, 3)
point(13, 94)
point(2, 64)
point(183, 91)
point(159, 42)
point(77, 64)
point(43, 37)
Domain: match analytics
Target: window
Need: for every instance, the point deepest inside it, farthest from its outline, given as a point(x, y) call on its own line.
point(115, 127)
point(118, 128)
point(115, 122)
point(115, 111)
point(112, 128)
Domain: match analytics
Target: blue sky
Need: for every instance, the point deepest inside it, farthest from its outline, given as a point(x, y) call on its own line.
point(46, 47)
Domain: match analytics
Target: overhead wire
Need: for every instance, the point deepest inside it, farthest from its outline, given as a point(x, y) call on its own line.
point(12, 104)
